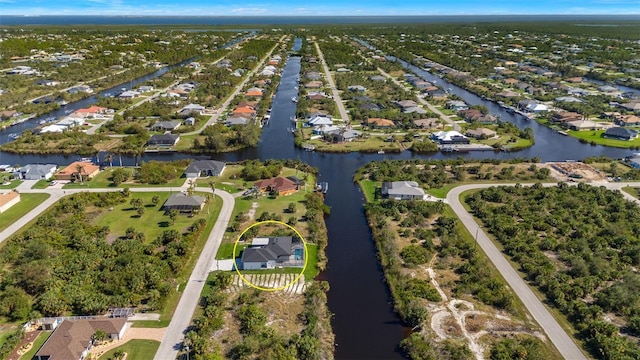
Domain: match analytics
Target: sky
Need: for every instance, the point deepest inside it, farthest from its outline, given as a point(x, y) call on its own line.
point(319, 8)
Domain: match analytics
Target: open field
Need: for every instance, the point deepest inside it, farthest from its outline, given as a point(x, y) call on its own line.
point(103, 180)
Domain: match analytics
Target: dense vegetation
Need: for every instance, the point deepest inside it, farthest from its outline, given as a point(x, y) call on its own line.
point(63, 264)
point(441, 173)
point(580, 246)
point(259, 340)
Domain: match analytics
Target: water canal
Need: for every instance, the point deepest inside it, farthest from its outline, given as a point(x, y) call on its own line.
point(364, 322)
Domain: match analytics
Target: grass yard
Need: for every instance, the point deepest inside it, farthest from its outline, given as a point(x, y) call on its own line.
point(635, 192)
point(369, 189)
point(11, 184)
point(370, 144)
point(135, 349)
point(27, 203)
point(36, 345)
point(596, 137)
point(103, 180)
point(41, 184)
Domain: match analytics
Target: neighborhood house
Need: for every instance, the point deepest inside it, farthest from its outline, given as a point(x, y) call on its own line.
point(35, 171)
point(204, 168)
point(184, 203)
point(73, 338)
point(402, 190)
point(78, 169)
point(279, 185)
point(269, 253)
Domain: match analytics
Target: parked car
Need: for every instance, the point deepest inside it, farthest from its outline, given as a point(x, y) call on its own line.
point(53, 183)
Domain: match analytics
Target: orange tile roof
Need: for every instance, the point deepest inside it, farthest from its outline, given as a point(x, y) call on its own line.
point(88, 168)
point(380, 122)
point(244, 109)
point(254, 93)
point(92, 110)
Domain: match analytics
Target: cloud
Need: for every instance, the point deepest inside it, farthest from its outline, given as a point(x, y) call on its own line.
point(249, 11)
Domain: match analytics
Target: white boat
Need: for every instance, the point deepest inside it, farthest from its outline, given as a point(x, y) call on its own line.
point(381, 152)
point(41, 122)
point(294, 99)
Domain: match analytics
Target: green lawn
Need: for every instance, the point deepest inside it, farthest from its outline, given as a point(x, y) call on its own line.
point(369, 189)
point(36, 345)
point(596, 137)
point(11, 185)
point(41, 184)
point(442, 191)
point(136, 350)
point(154, 221)
point(635, 192)
point(27, 203)
point(174, 297)
point(103, 180)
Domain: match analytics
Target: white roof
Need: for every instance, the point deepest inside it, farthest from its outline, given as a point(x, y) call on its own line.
point(320, 120)
point(53, 129)
point(325, 129)
point(446, 135)
point(260, 242)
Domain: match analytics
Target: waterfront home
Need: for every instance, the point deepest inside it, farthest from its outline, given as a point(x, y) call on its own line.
point(565, 116)
point(316, 95)
point(620, 133)
point(532, 106)
point(316, 84)
point(79, 89)
point(184, 203)
point(129, 94)
point(91, 112)
point(203, 168)
point(163, 140)
point(254, 91)
point(245, 111)
point(435, 93)
point(457, 105)
point(313, 75)
point(35, 171)
point(319, 119)
point(341, 135)
point(449, 137)
point(402, 190)
point(272, 252)
point(323, 129)
point(236, 120)
point(77, 170)
point(73, 339)
point(481, 133)
point(635, 162)
point(278, 185)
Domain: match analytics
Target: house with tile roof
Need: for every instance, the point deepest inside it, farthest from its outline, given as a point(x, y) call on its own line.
point(279, 185)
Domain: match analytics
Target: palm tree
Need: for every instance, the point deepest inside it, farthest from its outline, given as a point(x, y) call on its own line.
point(212, 184)
point(79, 169)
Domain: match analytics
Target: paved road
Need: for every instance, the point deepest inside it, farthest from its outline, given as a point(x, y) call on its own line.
point(421, 100)
point(563, 342)
point(172, 341)
point(334, 90)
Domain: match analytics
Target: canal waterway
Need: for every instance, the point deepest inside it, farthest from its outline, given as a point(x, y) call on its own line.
point(364, 322)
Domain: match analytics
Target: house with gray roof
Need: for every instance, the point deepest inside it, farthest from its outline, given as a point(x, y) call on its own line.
point(184, 203)
point(620, 133)
point(236, 120)
point(36, 171)
point(402, 190)
point(163, 140)
point(165, 125)
point(201, 168)
point(272, 252)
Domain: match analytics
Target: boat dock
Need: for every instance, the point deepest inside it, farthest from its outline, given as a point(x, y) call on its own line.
point(465, 148)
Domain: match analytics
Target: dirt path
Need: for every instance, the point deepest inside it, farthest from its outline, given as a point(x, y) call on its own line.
point(131, 334)
point(252, 212)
